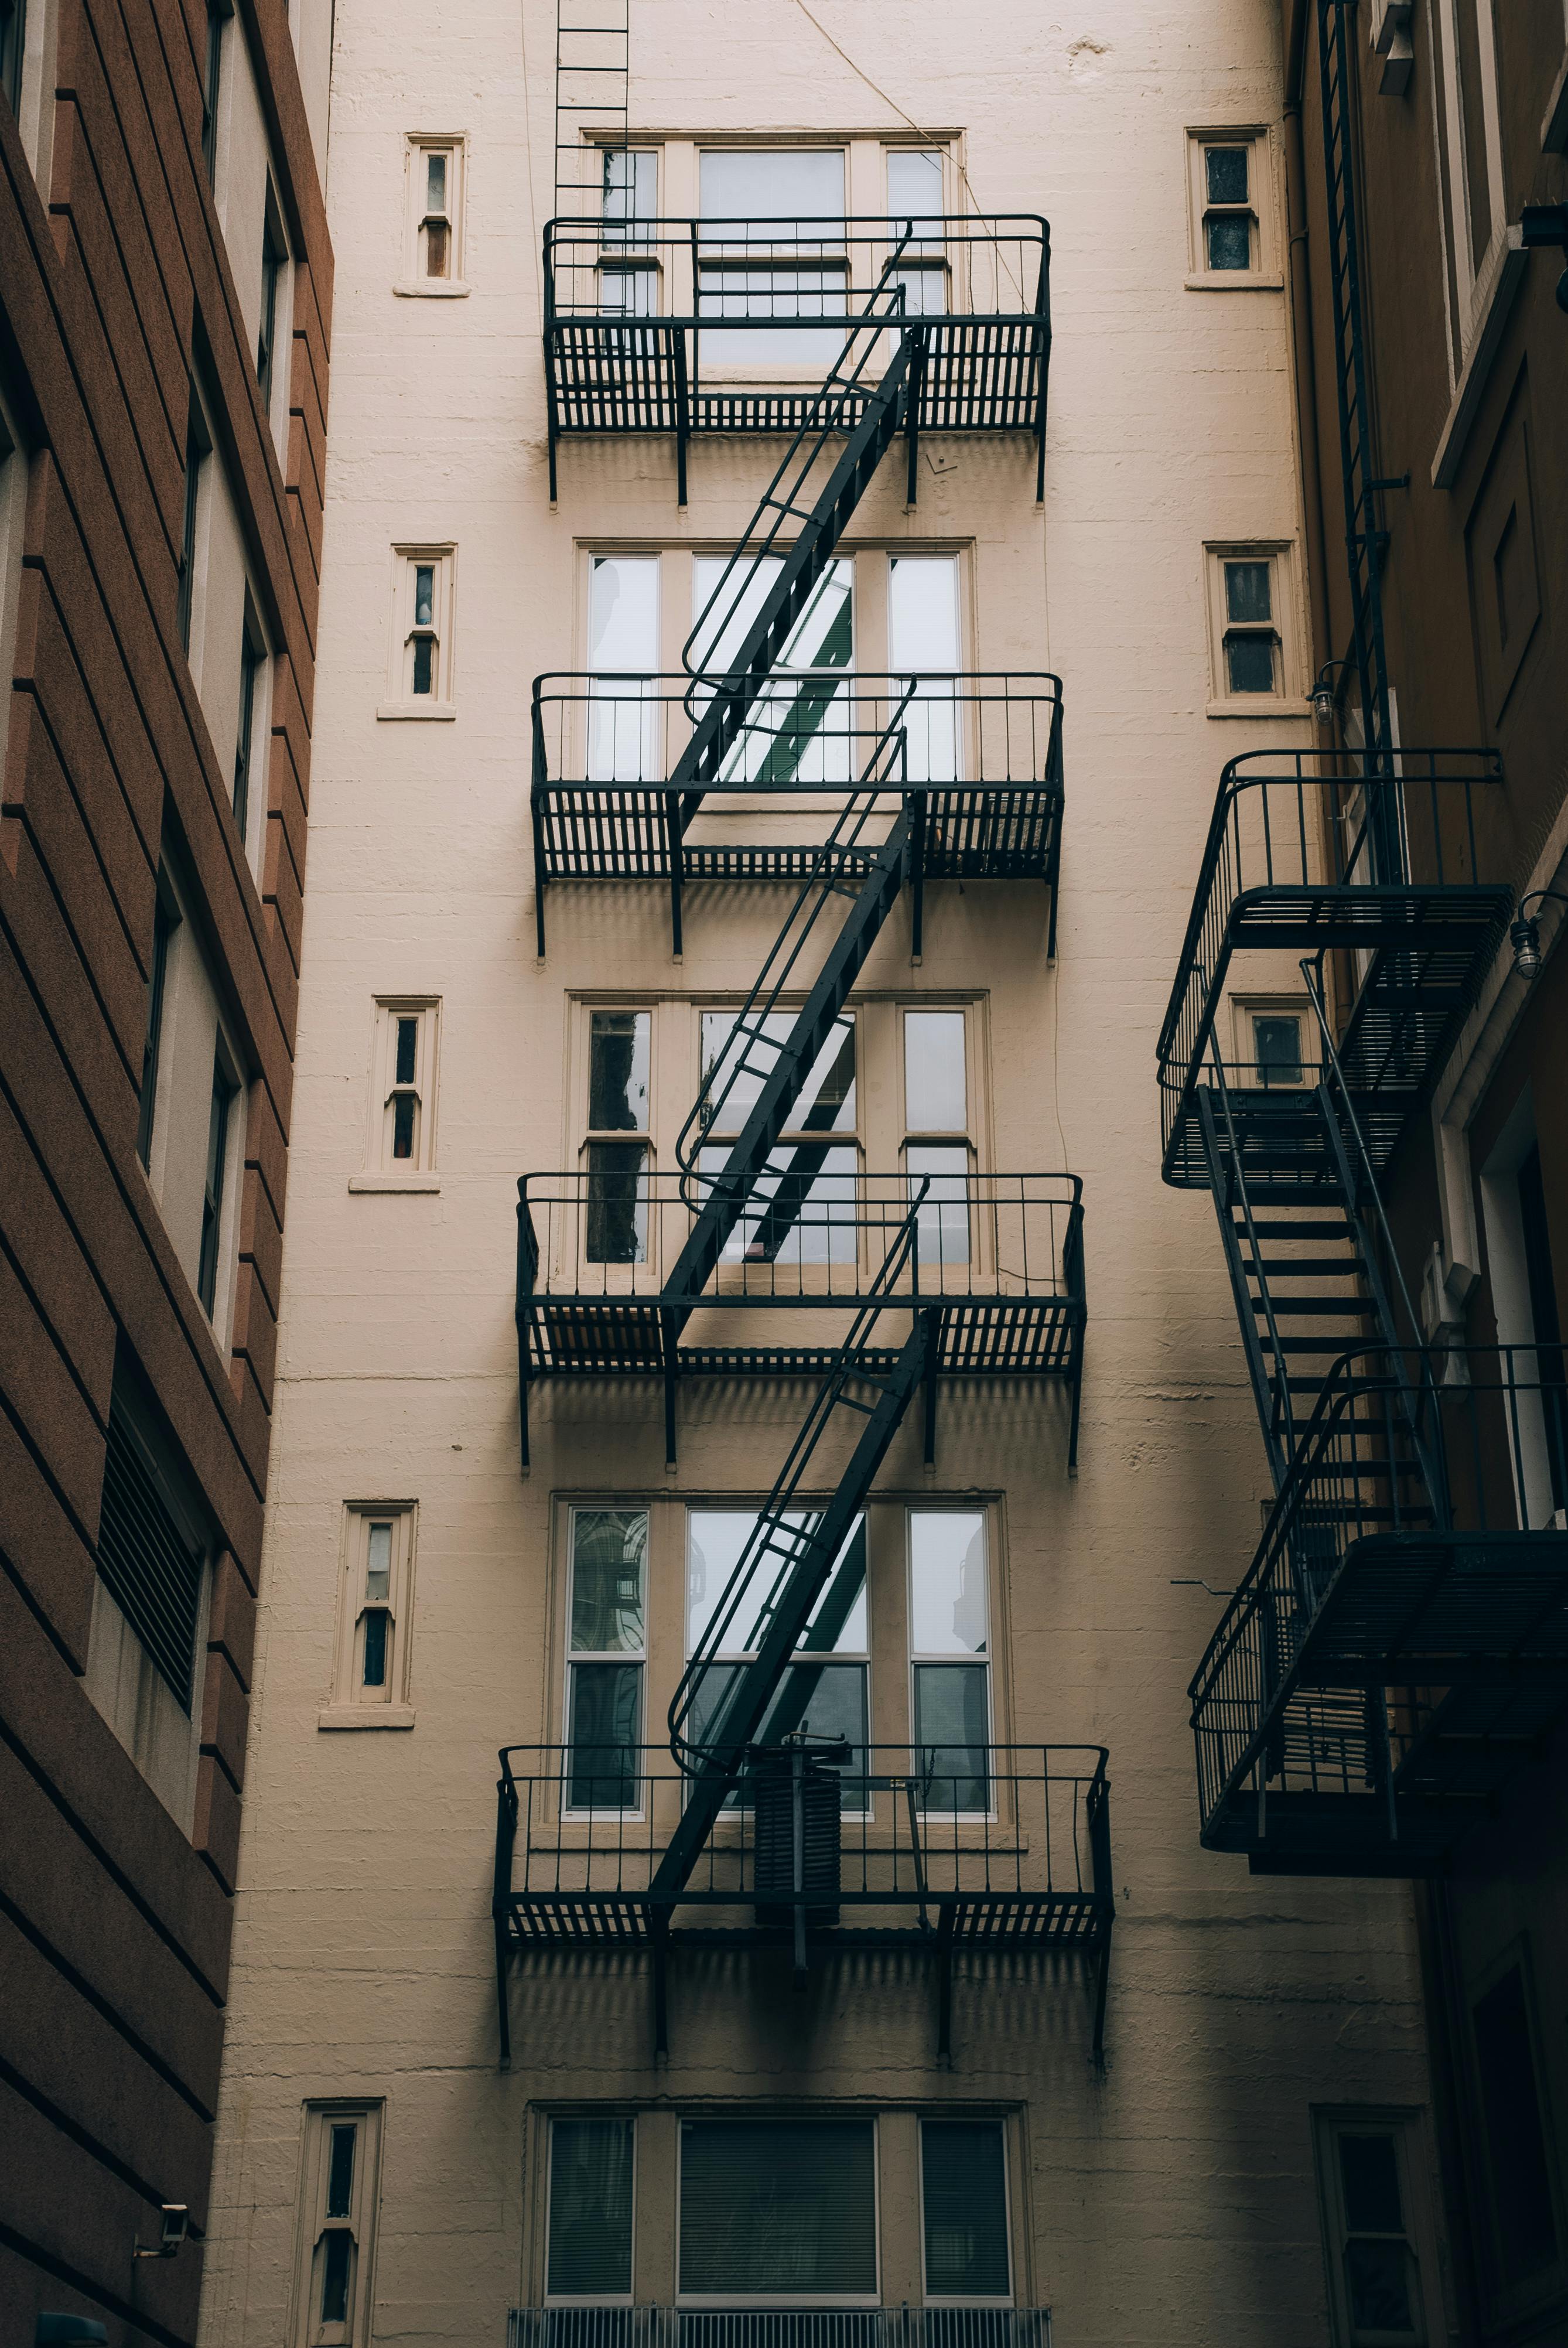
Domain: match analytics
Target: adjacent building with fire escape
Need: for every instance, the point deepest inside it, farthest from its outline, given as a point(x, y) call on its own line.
point(818, 496)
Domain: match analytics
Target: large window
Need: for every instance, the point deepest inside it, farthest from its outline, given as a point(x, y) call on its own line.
point(798, 728)
point(771, 248)
point(801, 1211)
point(607, 1658)
point(778, 2209)
point(936, 1132)
point(950, 1649)
point(964, 2209)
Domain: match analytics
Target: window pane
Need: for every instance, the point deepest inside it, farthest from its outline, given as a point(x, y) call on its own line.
point(827, 1101)
point(424, 595)
point(1247, 596)
point(437, 244)
point(624, 612)
point(1369, 2173)
point(334, 2277)
point(407, 1044)
point(952, 1731)
point(590, 2209)
point(778, 2206)
point(626, 292)
point(378, 1574)
point(730, 291)
point(1522, 2192)
point(375, 1630)
point(925, 291)
point(617, 1203)
point(424, 656)
point(618, 1071)
point(604, 1731)
point(773, 184)
point(942, 1223)
point(1377, 2275)
point(1249, 663)
point(630, 187)
point(915, 191)
point(1226, 170)
point(936, 1095)
point(923, 611)
point(402, 1126)
point(825, 1700)
point(948, 1603)
point(609, 1559)
point(1229, 240)
point(963, 2177)
point(340, 2172)
point(714, 1541)
point(802, 1208)
point(1277, 1043)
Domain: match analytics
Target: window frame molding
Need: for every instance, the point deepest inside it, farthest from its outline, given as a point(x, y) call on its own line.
point(1407, 2123)
point(347, 1706)
point(402, 702)
point(980, 2119)
point(1511, 2305)
point(1283, 556)
point(317, 2117)
point(1266, 273)
point(570, 1658)
point(592, 2299)
point(416, 145)
point(380, 1172)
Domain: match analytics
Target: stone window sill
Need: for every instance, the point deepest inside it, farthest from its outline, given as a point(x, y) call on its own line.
point(434, 289)
point(429, 710)
point(366, 1716)
point(1266, 708)
point(425, 1183)
point(1232, 281)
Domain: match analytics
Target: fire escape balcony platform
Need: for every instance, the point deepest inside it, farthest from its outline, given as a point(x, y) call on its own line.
point(712, 326)
point(1306, 855)
point(1399, 1648)
point(998, 1267)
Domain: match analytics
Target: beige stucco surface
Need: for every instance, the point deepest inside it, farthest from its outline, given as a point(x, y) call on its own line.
point(1171, 2199)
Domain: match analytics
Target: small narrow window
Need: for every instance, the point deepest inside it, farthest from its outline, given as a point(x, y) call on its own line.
point(195, 449)
point(432, 259)
point(590, 2210)
point(1277, 1047)
point(211, 85)
point(274, 260)
point(963, 2191)
point(13, 48)
point(339, 2194)
point(949, 1645)
point(630, 193)
point(252, 659)
point(421, 681)
point(606, 1659)
point(1254, 655)
point(372, 1667)
point(403, 1104)
point(935, 1103)
point(1366, 2171)
point(1228, 187)
point(1524, 2219)
point(165, 920)
point(224, 1091)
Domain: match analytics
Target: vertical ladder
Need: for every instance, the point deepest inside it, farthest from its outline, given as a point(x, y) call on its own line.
point(593, 75)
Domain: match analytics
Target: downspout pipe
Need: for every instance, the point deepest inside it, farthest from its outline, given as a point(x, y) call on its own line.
point(1302, 334)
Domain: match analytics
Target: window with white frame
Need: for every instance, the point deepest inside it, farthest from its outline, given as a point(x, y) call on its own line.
point(801, 1210)
point(624, 737)
point(964, 2212)
point(590, 2220)
point(433, 259)
point(1369, 2182)
point(798, 272)
point(777, 2210)
point(916, 206)
point(628, 273)
point(402, 1085)
point(251, 737)
point(618, 1145)
point(607, 1658)
point(420, 679)
point(225, 1085)
point(950, 1656)
point(1253, 653)
point(1271, 1035)
point(798, 728)
point(273, 327)
point(371, 1668)
point(937, 1120)
point(830, 1697)
point(1471, 148)
point(923, 644)
point(339, 2189)
point(1230, 210)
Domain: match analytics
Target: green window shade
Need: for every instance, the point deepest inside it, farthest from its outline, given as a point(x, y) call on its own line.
point(778, 2207)
point(590, 2209)
point(963, 2177)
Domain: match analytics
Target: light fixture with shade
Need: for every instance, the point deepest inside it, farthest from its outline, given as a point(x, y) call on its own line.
point(1524, 931)
point(1324, 699)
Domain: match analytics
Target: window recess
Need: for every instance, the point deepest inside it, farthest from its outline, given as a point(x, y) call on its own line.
point(434, 224)
point(1230, 198)
point(421, 677)
point(401, 1154)
point(1253, 648)
point(371, 1666)
point(339, 2189)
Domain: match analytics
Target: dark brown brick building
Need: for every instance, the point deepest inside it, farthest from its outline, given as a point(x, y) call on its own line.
point(165, 302)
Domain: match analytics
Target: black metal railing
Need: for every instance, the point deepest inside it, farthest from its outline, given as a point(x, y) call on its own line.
point(767, 2327)
point(811, 1233)
point(1405, 1450)
point(1304, 852)
point(921, 1828)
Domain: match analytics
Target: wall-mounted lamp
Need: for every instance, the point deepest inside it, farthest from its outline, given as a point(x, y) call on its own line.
point(176, 2226)
point(1524, 933)
point(1324, 698)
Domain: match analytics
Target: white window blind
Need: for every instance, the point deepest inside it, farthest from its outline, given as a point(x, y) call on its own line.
point(590, 2209)
point(778, 2209)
